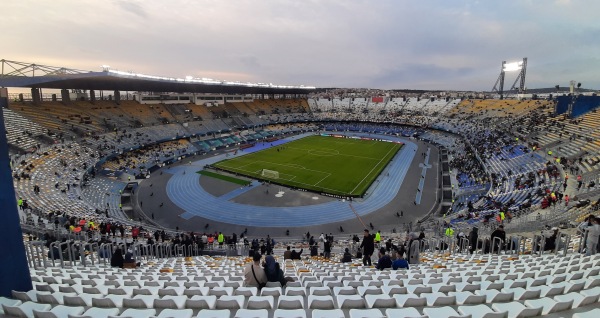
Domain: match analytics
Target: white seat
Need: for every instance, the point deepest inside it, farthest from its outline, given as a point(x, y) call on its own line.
point(549, 305)
point(524, 294)
point(439, 299)
point(172, 291)
point(419, 289)
point(58, 312)
point(176, 313)
point(468, 298)
point(331, 313)
point(516, 309)
point(290, 313)
point(578, 299)
point(410, 300)
point(56, 298)
point(230, 302)
point(172, 302)
point(25, 309)
point(380, 301)
point(447, 312)
point(138, 313)
point(295, 291)
point(79, 300)
point(109, 301)
point(593, 292)
point(344, 291)
point(290, 302)
point(260, 302)
point(369, 290)
point(350, 301)
point(594, 313)
point(8, 302)
point(320, 302)
point(319, 291)
point(196, 291)
point(252, 313)
point(494, 296)
point(211, 313)
point(393, 290)
point(404, 312)
point(201, 302)
point(481, 311)
point(247, 291)
point(271, 291)
point(97, 313)
point(366, 313)
point(139, 301)
point(221, 291)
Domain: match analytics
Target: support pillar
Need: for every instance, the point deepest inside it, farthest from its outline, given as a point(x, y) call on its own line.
point(65, 96)
point(35, 95)
point(117, 96)
point(92, 96)
point(14, 270)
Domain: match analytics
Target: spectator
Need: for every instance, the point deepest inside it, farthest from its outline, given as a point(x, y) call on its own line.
point(368, 246)
point(593, 236)
point(129, 259)
point(117, 259)
point(347, 258)
point(414, 249)
point(296, 255)
point(273, 271)
point(254, 274)
point(501, 235)
point(400, 262)
point(288, 253)
point(384, 260)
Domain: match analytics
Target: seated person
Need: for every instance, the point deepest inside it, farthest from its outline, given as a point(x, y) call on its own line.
point(400, 262)
point(117, 259)
point(347, 258)
point(384, 260)
point(254, 274)
point(296, 255)
point(130, 260)
point(288, 253)
point(273, 271)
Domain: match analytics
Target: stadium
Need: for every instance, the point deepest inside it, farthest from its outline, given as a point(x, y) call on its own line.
point(142, 195)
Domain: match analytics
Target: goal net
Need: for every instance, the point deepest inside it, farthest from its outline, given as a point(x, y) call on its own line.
point(271, 174)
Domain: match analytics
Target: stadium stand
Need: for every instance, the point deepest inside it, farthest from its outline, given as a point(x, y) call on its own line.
point(492, 172)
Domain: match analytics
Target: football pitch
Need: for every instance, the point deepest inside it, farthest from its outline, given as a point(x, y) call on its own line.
point(339, 166)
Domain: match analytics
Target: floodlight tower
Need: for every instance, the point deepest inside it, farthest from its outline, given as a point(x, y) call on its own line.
point(499, 86)
point(521, 76)
point(520, 66)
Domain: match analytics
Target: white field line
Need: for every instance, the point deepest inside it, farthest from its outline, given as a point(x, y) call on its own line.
point(375, 166)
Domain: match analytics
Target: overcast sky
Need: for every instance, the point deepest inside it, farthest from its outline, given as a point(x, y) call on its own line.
point(432, 44)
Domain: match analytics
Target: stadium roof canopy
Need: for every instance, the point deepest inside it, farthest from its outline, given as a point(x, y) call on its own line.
point(19, 74)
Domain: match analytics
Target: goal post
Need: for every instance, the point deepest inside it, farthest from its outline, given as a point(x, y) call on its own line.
point(271, 174)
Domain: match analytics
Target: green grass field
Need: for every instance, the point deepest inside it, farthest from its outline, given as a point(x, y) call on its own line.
point(340, 166)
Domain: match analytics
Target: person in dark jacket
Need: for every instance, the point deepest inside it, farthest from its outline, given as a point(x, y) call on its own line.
point(296, 255)
point(368, 246)
point(347, 258)
point(384, 260)
point(273, 271)
point(473, 239)
point(117, 259)
point(498, 233)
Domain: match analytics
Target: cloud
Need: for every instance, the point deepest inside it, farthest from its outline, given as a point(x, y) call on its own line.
point(389, 43)
point(132, 7)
